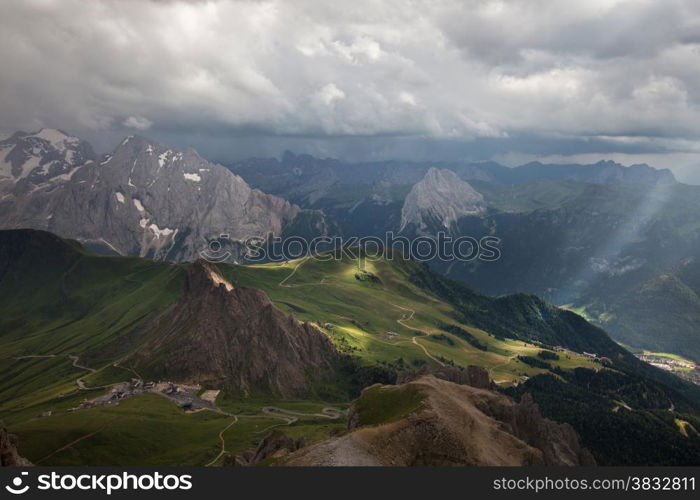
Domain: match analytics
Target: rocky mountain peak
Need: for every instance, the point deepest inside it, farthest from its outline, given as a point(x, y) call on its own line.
point(31, 159)
point(230, 336)
point(440, 198)
point(142, 199)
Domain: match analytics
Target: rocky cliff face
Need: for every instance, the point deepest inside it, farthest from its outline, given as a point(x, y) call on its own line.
point(456, 425)
point(275, 445)
point(440, 199)
point(28, 161)
point(144, 199)
point(8, 450)
point(234, 337)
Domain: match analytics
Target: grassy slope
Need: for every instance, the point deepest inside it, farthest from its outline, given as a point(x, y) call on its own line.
point(362, 312)
point(85, 306)
point(382, 404)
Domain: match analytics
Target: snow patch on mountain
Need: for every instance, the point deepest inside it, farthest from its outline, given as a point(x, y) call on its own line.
point(192, 177)
point(138, 205)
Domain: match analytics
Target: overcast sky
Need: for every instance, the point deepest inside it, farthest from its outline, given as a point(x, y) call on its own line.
point(471, 79)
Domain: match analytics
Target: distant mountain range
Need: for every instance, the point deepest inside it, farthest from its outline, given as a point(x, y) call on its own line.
point(306, 180)
point(585, 236)
point(601, 239)
point(142, 199)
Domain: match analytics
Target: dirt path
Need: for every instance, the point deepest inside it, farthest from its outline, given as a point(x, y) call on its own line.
point(288, 417)
point(35, 356)
point(117, 365)
point(223, 442)
point(414, 340)
point(510, 358)
point(401, 321)
point(327, 412)
point(78, 365)
point(69, 445)
point(348, 450)
point(79, 381)
point(283, 282)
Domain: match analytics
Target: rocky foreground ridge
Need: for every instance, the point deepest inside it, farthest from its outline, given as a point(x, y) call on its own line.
point(8, 450)
point(430, 421)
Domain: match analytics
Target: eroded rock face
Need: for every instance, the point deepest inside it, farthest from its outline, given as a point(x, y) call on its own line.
point(456, 425)
point(558, 442)
point(479, 377)
point(144, 199)
point(234, 337)
point(439, 200)
point(8, 450)
point(275, 445)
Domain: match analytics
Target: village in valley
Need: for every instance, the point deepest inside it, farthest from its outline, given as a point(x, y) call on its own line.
point(185, 396)
point(680, 367)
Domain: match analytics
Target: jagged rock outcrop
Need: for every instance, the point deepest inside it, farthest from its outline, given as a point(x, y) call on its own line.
point(233, 337)
point(455, 425)
point(439, 200)
point(8, 450)
point(144, 199)
point(558, 442)
point(277, 444)
point(479, 377)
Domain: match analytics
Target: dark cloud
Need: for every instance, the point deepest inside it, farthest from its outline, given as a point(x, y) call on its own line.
point(365, 78)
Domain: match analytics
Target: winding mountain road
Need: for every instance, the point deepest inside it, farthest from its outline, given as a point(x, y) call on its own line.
point(223, 442)
point(327, 412)
point(414, 340)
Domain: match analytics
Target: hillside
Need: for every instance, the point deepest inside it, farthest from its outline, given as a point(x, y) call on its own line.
point(85, 338)
point(660, 314)
point(379, 315)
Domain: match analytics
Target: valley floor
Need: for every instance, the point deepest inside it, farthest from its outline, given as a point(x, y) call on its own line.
point(146, 423)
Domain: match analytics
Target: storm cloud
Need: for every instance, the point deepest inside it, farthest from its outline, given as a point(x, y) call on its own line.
point(474, 79)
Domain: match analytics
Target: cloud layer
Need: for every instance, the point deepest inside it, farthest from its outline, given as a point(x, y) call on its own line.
point(625, 73)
